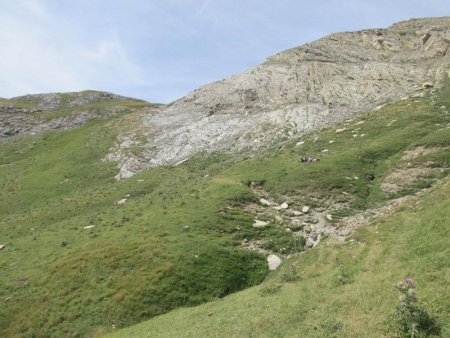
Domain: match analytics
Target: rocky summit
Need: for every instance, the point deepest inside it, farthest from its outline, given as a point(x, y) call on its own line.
point(301, 89)
point(33, 114)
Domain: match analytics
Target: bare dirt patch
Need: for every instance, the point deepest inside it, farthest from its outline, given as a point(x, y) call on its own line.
point(404, 178)
point(421, 151)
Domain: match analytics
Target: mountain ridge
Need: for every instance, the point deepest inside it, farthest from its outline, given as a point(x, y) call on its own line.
point(299, 90)
point(36, 113)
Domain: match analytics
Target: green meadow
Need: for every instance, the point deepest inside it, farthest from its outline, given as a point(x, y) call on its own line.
point(77, 264)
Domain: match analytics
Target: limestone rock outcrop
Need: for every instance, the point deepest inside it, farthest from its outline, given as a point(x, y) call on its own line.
point(301, 89)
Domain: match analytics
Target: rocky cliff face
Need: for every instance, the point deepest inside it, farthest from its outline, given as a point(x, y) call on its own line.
point(302, 89)
point(299, 90)
point(32, 114)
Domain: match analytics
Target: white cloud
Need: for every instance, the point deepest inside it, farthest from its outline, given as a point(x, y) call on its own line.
point(42, 54)
point(111, 56)
point(26, 63)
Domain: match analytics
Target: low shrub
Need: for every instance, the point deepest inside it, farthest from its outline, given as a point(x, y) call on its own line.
point(411, 319)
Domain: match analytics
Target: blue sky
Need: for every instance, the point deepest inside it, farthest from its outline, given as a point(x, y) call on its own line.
point(161, 50)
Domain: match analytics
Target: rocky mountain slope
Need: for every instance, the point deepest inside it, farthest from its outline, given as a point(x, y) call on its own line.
point(302, 89)
point(33, 114)
point(83, 254)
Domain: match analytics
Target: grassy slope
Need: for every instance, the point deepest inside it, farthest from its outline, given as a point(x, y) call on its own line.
point(346, 289)
point(168, 246)
point(65, 109)
point(414, 242)
point(138, 261)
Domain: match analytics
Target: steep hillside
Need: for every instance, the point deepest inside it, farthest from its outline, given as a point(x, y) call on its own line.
point(340, 289)
point(302, 89)
point(83, 253)
point(347, 288)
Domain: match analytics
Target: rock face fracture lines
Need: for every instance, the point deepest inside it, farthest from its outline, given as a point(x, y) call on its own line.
point(301, 89)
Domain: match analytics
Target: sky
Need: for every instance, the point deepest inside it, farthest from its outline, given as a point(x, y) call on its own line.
point(161, 50)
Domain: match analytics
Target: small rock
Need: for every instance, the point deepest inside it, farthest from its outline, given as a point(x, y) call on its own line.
point(278, 218)
point(277, 208)
point(259, 224)
point(341, 130)
point(2, 246)
point(181, 162)
point(124, 173)
point(121, 202)
point(289, 213)
point(331, 141)
point(305, 209)
point(296, 224)
point(273, 261)
point(300, 143)
point(89, 227)
point(307, 229)
point(329, 217)
point(284, 206)
point(390, 123)
point(377, 108)
point(265, 202)
point(309, 243)
point(325, 151)
point(426, 85)
point(317, 241)
point(297, 213)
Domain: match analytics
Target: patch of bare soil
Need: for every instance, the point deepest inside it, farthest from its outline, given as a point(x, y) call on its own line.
point(403, 178)
point(421, 151)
